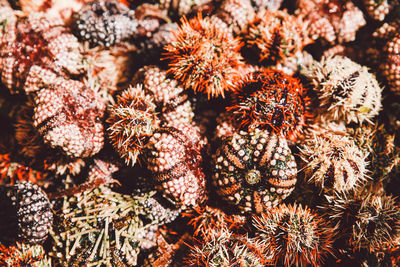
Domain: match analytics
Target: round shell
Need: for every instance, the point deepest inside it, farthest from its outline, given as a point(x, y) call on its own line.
point(28, 213)
point(334, 162)
point(32, 42)
point(254, 170)
point(68, 115)
point(347, 91)
point(175, 159)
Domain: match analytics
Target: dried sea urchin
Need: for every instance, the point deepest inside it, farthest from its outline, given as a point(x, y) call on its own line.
point(105, 23)
point(172, 103)
point(366, 221)
point(204, 57)
point(271, 100)
point(276, 35)
point(234, 15)
point(68, 115)
point(174, 157)
point(294, 235)
point(26, 210)
point(346, 90)
point(334, 162)
point(36, 44)
point(390, 65)
point(132, 121)
point(98, 227)
point(332, 19)
point(223, 248)
point(254, 170)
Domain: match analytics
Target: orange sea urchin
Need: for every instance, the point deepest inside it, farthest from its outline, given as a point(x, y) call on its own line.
point(271, 100)
point(204, 57)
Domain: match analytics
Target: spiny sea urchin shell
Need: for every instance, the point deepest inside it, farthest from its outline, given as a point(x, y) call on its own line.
point(276, 35)
point(68, 115)
point(132, 121)
point(174, 157)
point(29, 206)
point(223, 248)
point(295, 236)
point(346, 90)
point(172, 103)
point(366, 221)
point(271, 100)
point(34, 41)
point(255, 170)
point(334, 162)
point(204, 57)
point(105, 23)
point(332, 19)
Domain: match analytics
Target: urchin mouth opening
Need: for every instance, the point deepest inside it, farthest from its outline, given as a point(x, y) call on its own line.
point(253, 176)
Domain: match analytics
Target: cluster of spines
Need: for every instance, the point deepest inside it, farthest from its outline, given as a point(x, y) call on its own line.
point(21, 254)
point(132, 121)
point(99, 227)
point(334, 162)
point(204, 57)
point(365, 221)
point(294, 236)
point(276, 36)
point(273, 101)
point(217, 240)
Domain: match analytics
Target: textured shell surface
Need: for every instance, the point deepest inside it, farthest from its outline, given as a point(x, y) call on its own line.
point(175, 159)
point(34, 215)
point(347, 91)
point(254, 170)
point(72, 119)
point(36, 41)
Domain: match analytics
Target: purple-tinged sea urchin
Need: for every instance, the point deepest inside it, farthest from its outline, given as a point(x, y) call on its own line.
point(29, 212)
point(105, 23)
